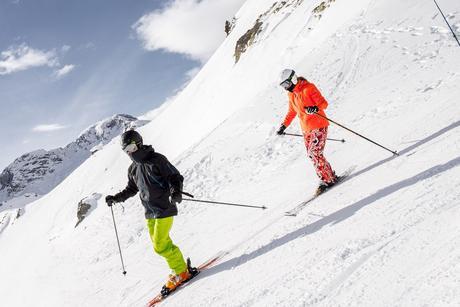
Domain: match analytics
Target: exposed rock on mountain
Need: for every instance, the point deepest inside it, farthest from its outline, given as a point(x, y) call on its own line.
point(85, 206)
point(251, 35)
point(229, 25)
point(40, 171)
point(317, 11)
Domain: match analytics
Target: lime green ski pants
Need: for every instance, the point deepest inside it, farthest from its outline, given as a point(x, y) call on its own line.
point(163, 245)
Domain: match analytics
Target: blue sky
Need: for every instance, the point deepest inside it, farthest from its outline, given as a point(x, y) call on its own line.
point(66, 64)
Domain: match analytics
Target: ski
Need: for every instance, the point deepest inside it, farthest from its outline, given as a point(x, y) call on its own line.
point(341, 178)
point(195, 271)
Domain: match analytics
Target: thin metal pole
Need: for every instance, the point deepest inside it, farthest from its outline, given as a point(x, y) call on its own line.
point(219, 202)
point(225, 204)
point(329, 139)
point(118, 241)
point(367, 139)
point(445, 19)
point(336, 140)
point(292, 134)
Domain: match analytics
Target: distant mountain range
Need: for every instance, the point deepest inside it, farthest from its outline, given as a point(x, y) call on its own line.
point(38, 172)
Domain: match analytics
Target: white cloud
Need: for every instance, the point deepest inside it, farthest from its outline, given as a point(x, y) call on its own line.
point(191, 27)
point(23, 57)
point(59, 73)
point(65, 48)
point(48, 128)
point(190, 74)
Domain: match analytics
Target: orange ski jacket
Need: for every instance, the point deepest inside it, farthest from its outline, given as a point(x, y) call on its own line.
point(305, 94)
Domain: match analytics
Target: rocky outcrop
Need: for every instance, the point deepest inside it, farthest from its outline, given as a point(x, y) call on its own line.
point(6, 177)
point(85, 206)
point(318, 11)
point(245, 41)
point(250, 37)
point(9, 217)
point(229, 25)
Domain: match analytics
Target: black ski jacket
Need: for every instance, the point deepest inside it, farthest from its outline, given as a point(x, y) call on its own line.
point(153, 176)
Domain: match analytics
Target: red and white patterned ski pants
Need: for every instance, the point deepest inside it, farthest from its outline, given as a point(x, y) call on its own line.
point(315, 141)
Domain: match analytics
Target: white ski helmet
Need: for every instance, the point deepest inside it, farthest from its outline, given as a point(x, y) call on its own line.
point(288, 79)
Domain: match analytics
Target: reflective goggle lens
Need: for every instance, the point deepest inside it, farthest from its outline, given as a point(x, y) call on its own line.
point(286, 84)
point(130, 148)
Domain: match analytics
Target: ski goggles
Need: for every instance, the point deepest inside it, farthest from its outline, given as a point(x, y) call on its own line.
point(287, 84)
point(130, 148)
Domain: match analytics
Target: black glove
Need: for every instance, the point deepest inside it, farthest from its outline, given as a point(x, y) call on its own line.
point(176, 196)
point(311, 109)
point(281, 130)
point(110, 200)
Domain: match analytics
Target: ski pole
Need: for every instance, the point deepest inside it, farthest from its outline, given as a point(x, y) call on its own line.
point(445, 19)
point(188, 194)
point(367, 139)
point(336, 140)
point(225, 204)
point(219, 203)
point(118, 241)
point(329, 139)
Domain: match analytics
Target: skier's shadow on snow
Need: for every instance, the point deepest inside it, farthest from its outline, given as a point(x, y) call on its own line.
point(408, 149)
point(346, 212)
point(333, 218)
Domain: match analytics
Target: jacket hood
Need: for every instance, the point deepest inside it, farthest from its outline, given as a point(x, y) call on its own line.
point(301, 83)
point(142, 154)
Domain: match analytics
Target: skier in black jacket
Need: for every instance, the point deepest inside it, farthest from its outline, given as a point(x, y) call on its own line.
point(160, 186)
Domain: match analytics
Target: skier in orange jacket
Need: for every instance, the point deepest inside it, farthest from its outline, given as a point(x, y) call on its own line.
point(305, 100)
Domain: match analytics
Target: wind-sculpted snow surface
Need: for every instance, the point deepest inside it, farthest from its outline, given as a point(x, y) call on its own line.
point(387, 236)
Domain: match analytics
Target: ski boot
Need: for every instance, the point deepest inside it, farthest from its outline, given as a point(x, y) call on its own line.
point(325, 186)
point(175, 281)
point(321, 188)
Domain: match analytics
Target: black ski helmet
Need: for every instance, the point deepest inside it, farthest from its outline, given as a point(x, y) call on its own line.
point(129, 137)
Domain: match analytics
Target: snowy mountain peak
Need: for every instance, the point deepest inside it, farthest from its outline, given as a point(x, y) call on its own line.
point(105, 130)
point(39, 171)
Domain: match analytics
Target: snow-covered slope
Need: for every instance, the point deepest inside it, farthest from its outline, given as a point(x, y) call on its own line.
point(388, 236)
